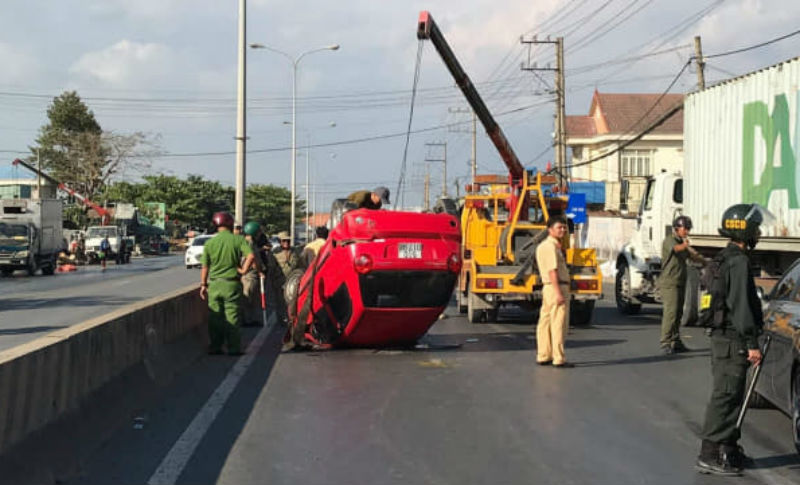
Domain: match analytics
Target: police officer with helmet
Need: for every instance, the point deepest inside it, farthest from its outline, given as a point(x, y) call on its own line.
point(675, 252)
point(221, 286)
point(734, 343)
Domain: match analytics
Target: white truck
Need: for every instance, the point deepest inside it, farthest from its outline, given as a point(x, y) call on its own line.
point(741, 145)
point(30, 235)
point(120, 251)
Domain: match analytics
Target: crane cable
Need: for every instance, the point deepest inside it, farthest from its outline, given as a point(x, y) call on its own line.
point(401, 181)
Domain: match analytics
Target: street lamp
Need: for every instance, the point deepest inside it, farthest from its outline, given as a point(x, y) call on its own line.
point(295, 61)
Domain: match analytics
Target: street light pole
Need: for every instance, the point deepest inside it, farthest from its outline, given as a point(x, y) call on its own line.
point(295, 61)
point(241, 134)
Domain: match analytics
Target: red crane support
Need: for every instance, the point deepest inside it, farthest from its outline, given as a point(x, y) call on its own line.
point(105, 216)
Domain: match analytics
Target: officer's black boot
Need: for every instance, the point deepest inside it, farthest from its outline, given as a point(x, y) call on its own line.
point(736, 454)
point(713, 460)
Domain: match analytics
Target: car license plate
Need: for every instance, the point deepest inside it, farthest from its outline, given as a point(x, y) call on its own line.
point(409, 250)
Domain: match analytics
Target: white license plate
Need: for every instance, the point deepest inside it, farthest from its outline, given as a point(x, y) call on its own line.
point(409, 250)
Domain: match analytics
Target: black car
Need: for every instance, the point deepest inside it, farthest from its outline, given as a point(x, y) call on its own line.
point(780, 376)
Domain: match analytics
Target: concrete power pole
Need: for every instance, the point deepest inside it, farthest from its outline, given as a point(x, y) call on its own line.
point(701, 64)
point(560, 131)
point(427, 201)
point(443, 160)
point(241, 131)
point(474, 146)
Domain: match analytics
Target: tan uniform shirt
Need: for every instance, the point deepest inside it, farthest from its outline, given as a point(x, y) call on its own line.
point(315, 245)
point(549, 257)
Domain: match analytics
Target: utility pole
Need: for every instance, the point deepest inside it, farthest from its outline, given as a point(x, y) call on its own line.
point(241, 133)
point(443, 160)
point(560, 137)
point(701, 63)
point(427, 201)
point(474, 132)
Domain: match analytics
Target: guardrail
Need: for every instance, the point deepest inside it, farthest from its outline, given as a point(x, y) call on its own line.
point(42, 380)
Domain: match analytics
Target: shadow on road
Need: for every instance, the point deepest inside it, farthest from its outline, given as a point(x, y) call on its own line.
point(78, 301)
point(497, 342)
point(648, 359)
point(26, 330)
point(791, 460)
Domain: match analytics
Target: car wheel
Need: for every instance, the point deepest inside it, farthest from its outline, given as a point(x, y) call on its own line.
point(580, 313)
point(622, 292)
point(796, 408)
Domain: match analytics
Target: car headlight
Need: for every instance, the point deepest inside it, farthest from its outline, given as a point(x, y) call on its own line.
point(21, 254)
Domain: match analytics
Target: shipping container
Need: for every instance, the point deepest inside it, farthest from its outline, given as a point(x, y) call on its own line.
point(742, 144)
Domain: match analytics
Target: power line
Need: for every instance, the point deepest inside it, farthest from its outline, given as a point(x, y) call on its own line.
point(757, 46)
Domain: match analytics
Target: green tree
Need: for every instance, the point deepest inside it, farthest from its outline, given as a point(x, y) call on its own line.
point(77, 152)
point(269, 206)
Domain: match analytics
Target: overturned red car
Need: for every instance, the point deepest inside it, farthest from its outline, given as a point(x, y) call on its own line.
point(381, 279)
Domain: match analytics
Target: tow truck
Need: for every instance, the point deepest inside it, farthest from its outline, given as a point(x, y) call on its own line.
point(502, 224)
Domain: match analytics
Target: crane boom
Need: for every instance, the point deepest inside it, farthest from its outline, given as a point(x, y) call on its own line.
point(427, 29)
point(105, 216)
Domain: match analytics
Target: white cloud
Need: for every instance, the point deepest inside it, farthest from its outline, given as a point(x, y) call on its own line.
point(124, 64)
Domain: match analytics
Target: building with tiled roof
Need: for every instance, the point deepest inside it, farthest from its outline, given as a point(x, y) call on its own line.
point(618, 117)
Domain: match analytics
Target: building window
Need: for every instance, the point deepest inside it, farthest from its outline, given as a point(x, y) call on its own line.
point(637, 163)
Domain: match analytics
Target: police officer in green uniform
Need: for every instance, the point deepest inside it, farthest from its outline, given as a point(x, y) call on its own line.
point(672, 284)
point(734, 346)
point(221, 286)
point(366, 199)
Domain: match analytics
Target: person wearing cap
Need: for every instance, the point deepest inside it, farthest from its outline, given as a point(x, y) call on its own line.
point(226, 257)
point(288, 259)
point(374, 199)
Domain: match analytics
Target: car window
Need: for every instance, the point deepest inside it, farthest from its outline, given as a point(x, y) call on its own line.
point(200, 241)
point(677, 192)
point(787, 286)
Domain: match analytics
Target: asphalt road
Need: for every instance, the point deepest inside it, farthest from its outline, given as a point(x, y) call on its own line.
point(468, 407)
point(34, 306)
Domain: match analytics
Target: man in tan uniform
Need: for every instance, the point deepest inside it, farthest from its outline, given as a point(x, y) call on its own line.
point(554, 314)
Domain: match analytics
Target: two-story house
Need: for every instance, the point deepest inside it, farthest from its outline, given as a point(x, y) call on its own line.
point(613, 119)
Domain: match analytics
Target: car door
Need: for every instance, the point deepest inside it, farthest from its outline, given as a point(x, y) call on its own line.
point(782, 321)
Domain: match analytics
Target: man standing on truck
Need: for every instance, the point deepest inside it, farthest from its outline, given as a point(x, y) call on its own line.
point(554, 313)
point(365, 199)
point(734, 344)
point(672, 284)
point(220, 284)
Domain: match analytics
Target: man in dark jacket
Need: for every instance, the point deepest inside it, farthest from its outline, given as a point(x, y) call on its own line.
point(734, 346)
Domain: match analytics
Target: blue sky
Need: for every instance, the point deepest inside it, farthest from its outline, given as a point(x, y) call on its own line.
point(168, 67)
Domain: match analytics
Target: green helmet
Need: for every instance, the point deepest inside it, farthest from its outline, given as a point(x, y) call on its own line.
point(251, 228)
point(742, 222)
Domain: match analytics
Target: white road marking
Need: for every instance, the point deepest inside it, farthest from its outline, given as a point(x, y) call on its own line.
point(178, 457)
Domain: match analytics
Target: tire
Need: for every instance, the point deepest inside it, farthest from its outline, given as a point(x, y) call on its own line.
point(461, 299)
point(580, 313)
point(31, 269)
point(188, 266)
point(49, 270)
point(474, 315)
point(491, 315)
point(6, 272)
point(621, 285)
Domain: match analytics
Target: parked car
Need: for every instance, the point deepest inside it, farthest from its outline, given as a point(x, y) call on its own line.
point(195, 250)
point(780, 375)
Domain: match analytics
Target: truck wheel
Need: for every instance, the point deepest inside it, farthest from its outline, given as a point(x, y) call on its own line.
point(491, 315)
point(31, 269)
point(49, 270)
point(473, 314)
point(622, 292)
point(6, 272)
point(580, 313)
point(461, 299)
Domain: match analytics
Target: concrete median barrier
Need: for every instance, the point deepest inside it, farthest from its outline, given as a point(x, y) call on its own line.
point(47, 378)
